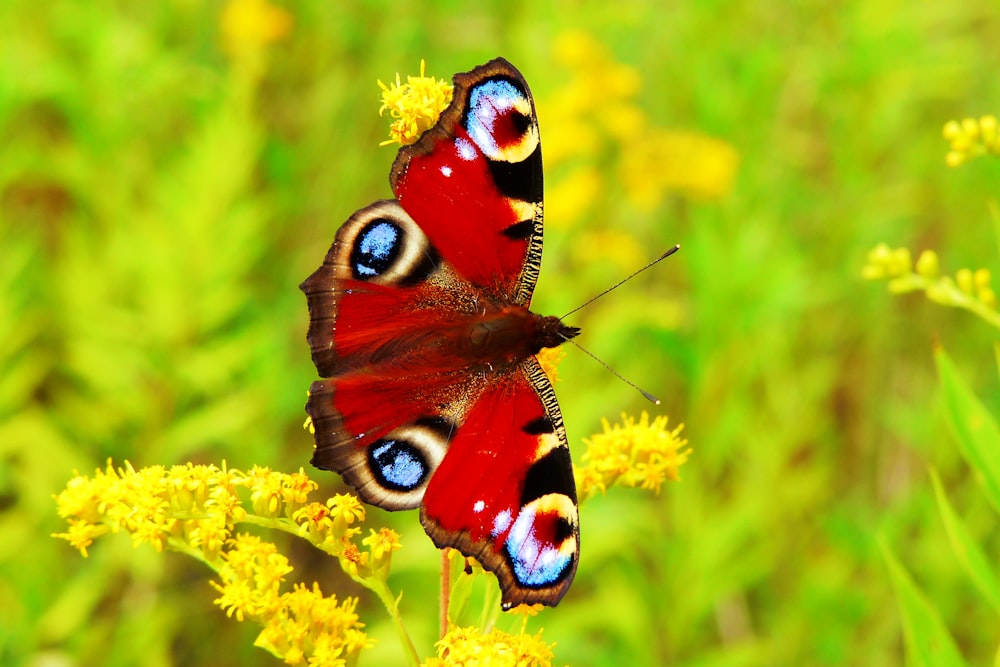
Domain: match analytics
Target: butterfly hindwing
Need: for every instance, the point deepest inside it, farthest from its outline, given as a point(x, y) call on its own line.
point(432, 396)
point(505, 493)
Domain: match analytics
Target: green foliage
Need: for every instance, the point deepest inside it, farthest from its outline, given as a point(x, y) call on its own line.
point(162, 194)
point(928, 643)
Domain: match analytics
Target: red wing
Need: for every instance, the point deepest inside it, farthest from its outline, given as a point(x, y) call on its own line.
point(505, 492)
point(474, 182)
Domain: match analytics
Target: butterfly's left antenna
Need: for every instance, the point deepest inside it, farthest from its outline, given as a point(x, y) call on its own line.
point(622, 282)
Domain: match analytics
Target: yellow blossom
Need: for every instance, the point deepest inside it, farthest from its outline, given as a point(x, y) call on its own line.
point(968, 289)
point(248, 26)
point(595, 115)
point(352, 560)
point(414, 106)
point(345, 509)
point(639, 453)
point(549, 359)
point(380, 545)
point(469, 647)
point(194, 509)
point(970, 138)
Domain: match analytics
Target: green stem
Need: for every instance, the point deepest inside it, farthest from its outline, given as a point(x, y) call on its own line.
point(381, 589)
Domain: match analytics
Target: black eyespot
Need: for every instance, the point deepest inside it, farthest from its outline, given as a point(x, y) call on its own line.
point(397, 465)
point(376, 248)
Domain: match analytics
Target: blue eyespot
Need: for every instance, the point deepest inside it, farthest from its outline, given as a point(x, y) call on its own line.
point(537, 559)
point(492, 106)
point(397, 465)
point(376, 248)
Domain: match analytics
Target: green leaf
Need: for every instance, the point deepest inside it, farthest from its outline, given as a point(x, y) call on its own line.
point(974, 427)
point(966, 549)
point(928, 643)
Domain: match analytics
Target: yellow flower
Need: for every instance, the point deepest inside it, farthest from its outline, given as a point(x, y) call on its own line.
point(193, 509)
point(248, 26)
point(549, 359)
point(970, 138)
point(968, 289)
point(414, 105)
point(345, 509)
point(643, 454)
point(309, 628)
point(380, 545)
point(594, 120)
point(468, 647)
point(352, 561)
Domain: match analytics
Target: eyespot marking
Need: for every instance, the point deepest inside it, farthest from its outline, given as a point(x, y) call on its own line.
point(500, 120)
point(541, 546)
point(397, 464)
point(377, 248)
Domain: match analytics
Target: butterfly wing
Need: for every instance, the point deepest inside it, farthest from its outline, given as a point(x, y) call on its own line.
point(404, 415)
point(473, 182)
point(505, 493)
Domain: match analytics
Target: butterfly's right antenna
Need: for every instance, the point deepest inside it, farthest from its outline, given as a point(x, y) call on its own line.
point(616, 286)
point(649, 397)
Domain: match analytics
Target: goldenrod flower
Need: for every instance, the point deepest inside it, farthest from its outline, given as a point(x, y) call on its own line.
point(380, 545)
point(469, 647)
point(643, 454)
point(247, 26)
point(968, 289)
point(970, 138)
point(414, 105)
point(194, 509)
point(353, 561)
point(549, 359)
point(595, 115)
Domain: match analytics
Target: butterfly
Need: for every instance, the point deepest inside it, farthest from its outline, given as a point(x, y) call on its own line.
point(432, 395)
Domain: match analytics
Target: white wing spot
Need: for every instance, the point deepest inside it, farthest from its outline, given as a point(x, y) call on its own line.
point(466, 150)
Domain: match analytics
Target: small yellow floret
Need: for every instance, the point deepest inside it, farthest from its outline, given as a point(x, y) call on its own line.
point(634, 453)
point(469, 647)
point(414, 106)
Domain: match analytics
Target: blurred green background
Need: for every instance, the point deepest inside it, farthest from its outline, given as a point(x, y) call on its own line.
point(171, 170)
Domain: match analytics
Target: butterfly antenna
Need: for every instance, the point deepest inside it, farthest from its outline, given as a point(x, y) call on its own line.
point(619, 284)
point(645, 394)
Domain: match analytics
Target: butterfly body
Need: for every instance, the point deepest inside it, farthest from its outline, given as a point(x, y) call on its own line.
point(420, 326)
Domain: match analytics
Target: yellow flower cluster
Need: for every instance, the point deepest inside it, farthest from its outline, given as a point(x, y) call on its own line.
point(970, 138)
point(301, 626)
point(194, 509)
point(469, 647)
point(971, 290)
point(414, 106)
point(643, 454)
point(248, 26)
point(595, 115)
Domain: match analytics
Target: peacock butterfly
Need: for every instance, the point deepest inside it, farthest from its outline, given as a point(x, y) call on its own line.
point(419, 322)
